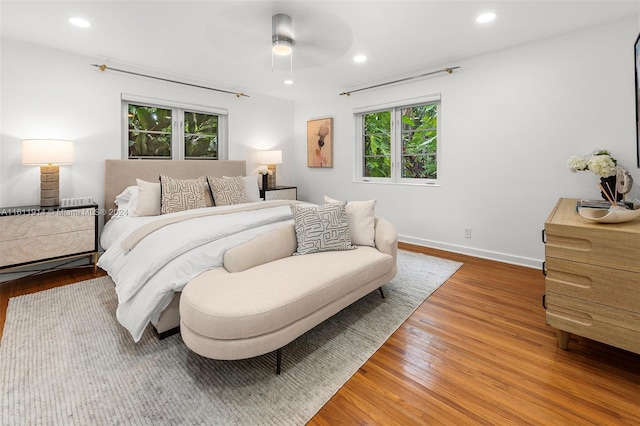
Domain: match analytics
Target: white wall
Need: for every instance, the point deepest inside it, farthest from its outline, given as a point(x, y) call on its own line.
point(509, 122)
point(49, 93)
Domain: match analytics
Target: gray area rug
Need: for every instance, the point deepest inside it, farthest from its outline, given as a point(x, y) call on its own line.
point(65, 360)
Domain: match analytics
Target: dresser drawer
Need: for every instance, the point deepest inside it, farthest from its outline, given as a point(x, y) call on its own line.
point(32, 234)
point(46, 223)
point(33, 249)
point(281, 194)
point(612, 245)
point(616, 327)
point(607, 286)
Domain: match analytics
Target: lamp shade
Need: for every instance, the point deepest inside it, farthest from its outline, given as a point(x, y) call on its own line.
point(270, 157)
point(47, 151)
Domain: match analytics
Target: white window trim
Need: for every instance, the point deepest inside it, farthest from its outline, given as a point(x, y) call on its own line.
point(177, 149)
point(396, 147)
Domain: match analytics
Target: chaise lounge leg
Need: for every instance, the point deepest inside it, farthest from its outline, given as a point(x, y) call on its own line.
point(381, 293)
point(278, 360)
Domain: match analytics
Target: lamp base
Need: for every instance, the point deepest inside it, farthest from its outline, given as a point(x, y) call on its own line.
point(272, 176)
point(49, 185)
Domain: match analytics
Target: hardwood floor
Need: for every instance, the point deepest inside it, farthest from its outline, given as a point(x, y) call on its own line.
point(477, 351)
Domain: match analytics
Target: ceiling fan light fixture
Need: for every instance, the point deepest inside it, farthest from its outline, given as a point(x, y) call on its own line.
point(282, 47)
point(281, 35)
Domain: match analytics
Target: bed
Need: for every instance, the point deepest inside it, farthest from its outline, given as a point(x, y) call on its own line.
point(152, 256)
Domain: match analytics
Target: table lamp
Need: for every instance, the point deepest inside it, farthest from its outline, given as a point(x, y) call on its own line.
point(48, 154)
point(270, 158)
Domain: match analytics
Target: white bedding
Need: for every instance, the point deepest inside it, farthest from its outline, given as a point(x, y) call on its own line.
point(165, 261)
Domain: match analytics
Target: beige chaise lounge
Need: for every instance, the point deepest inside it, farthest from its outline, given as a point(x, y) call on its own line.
point(264, 298)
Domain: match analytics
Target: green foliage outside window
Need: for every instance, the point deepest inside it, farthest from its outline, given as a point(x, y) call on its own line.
point(200, 135)
point(150, 133)
point(377, 144)
point(419, 141)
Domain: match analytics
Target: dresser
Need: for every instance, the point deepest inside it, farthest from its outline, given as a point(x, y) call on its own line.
point(35, 234)
point(592, 284)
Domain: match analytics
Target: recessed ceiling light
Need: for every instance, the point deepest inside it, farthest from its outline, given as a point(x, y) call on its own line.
point(79, 22)
point(289, 82)
point(359, 58)
point(486, 17)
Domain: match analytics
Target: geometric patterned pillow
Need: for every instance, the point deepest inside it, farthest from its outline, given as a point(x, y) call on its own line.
point(321, 228)
point(177, 195)
point(228, 191)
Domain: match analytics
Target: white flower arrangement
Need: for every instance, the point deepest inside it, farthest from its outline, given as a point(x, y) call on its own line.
point(264, 171)
point(599, 162)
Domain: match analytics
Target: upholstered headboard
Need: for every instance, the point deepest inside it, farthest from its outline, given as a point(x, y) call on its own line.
point(119, 174)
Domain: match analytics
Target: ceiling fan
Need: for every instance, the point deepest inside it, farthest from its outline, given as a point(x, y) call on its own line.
point(316, 36)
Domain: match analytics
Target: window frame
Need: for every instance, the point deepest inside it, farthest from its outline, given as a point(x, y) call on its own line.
point(177, 125)
point(395, 108)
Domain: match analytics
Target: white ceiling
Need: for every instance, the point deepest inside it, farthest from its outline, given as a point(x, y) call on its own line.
point(226, 44)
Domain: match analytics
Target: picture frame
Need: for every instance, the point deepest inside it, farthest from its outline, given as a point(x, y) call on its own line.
point(320, 143)
point(637, 85)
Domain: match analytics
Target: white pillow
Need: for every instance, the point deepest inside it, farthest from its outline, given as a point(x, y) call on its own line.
point(148, 199)
point(127, 201)
point(361, 220)
point(251, 187)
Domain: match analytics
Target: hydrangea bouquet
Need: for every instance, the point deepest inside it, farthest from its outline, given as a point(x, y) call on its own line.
point(264, 171)
point(599, 162)
point(603, 165)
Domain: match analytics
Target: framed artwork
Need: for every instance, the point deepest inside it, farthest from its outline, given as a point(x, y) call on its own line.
point(320, 143)
point(637, 66)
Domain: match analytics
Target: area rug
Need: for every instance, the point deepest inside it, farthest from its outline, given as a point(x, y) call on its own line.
point(65, 360)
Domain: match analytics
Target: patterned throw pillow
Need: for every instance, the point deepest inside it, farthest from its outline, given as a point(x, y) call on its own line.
point(227, 191)
point(181, 194)
point(321, 228)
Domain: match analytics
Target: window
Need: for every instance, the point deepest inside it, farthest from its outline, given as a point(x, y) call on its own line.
point(399, 143)
point(157, 130)
point(150, 130)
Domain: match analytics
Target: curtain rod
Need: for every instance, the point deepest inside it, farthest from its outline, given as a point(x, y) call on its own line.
point(447, 70)
point(103, 67)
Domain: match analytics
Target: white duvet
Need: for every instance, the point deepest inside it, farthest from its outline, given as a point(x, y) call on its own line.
point(166, 260)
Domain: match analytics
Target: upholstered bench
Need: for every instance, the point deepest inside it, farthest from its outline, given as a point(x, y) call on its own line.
point(264, 297)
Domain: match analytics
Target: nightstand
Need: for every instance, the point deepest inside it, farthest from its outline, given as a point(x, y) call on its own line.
point(35, 234)
point(280, 193)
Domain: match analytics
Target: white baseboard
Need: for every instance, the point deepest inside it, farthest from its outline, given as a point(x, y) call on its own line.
point(470, 251)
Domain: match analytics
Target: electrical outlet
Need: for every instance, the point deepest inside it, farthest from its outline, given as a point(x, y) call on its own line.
point(467, 232)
